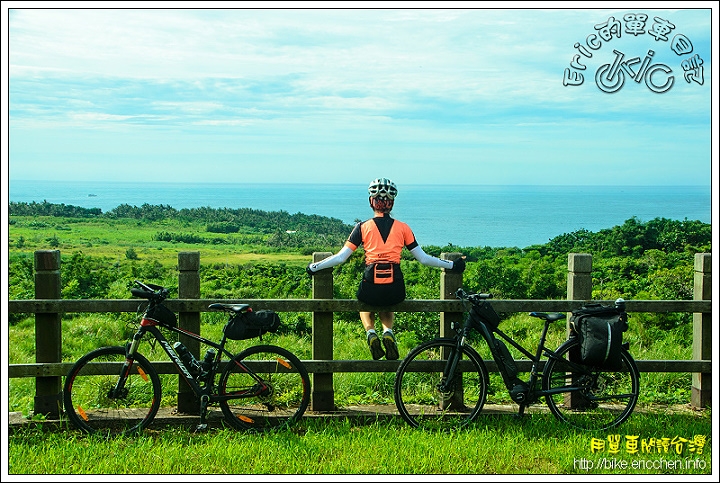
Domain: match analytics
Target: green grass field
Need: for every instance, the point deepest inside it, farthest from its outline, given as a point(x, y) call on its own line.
point(659, 443)
point(113, 238)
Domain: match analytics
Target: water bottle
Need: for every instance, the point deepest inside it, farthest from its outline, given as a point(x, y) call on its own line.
point(186, 356)
point(208, 360)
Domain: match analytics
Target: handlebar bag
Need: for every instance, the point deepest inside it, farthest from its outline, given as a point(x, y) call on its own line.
point(252, 324)
point(486, 313)
point(162, 314)
point(600, 330)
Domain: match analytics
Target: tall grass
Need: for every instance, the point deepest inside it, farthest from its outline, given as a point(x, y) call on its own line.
point(85, 332)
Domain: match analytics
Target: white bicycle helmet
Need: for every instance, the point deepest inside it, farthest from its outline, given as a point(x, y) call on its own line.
point(382, 188)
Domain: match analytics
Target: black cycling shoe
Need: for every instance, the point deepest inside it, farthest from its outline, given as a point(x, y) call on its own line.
point(375, 348)
point(391, 349)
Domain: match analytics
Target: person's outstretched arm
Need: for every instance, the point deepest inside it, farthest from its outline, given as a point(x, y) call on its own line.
point(331, 261)
point(431, 261)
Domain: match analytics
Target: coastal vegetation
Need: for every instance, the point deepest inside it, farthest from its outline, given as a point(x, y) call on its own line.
point(249, 253)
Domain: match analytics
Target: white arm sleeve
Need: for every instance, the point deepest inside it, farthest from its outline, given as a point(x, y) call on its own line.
point(331, 261)
point(429, 260)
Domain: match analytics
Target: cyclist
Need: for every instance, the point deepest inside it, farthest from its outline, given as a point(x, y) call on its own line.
point(382, 283)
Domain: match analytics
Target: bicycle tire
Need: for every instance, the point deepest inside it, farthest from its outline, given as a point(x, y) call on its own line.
point(605, 399)
point(88, 405)
point(418, 399)
point(280, 405)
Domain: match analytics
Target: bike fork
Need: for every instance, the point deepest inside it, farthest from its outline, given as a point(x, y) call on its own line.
point(119, 390)
point(447, 385)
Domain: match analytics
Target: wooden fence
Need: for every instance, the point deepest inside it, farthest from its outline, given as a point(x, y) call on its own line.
point(48, 307)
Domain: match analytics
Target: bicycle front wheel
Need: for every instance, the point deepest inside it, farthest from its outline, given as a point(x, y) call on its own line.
point(424, 396)
point(590, 398)
point(100, 397)
point(264, 387)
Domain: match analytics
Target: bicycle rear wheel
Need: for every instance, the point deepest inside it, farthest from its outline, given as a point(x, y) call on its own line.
point(278, 399)
point(418, 395)
point(89, 386)
point(600, 399)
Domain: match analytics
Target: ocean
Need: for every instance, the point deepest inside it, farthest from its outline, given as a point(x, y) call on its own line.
point(464, 216)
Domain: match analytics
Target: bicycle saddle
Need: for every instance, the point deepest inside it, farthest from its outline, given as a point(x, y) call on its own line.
point(237, 308)
point(552, 317)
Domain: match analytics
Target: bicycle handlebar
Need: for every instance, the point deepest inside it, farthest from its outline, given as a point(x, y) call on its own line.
point(472, 297)
point(150, 291)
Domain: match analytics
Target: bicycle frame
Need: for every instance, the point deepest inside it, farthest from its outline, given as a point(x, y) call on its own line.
point(488, 334)
point(150, 326)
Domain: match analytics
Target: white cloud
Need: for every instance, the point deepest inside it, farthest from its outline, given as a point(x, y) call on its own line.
point(308, 82)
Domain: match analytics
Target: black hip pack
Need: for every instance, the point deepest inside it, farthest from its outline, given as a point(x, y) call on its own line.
point(380, 273)
point(600, 330)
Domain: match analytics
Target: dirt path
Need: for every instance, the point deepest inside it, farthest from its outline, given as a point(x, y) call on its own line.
point(363, 413)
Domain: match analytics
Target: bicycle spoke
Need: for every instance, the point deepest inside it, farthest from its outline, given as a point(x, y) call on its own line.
point(278, 399)
point(593, 399)
point(424, 396)
point(95, 401)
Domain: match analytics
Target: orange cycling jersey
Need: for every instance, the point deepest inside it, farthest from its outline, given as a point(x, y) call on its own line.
point(383, 238)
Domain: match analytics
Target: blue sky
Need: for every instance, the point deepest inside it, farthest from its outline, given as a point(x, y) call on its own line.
point(451, 95)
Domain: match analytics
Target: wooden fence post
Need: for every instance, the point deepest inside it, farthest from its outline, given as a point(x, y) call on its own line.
point(579, 278)
point(48, 333)
point(701, 395)
point(449, 283)
point(579, 287)
point(188, 288)
point(323, 394)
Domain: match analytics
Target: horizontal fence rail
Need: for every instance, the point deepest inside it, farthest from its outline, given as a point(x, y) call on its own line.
point(313, 366)
point(48, 308)
point(346, 305)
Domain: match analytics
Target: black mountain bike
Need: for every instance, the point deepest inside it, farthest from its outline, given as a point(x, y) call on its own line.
point(116, 390)
point(443, 383)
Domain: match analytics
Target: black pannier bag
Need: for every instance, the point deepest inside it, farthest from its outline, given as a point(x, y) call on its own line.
point(600, 330)
point(162, 314)
point(252, 324)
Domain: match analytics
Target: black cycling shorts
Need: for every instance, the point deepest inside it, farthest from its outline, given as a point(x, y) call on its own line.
point(381, 294)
